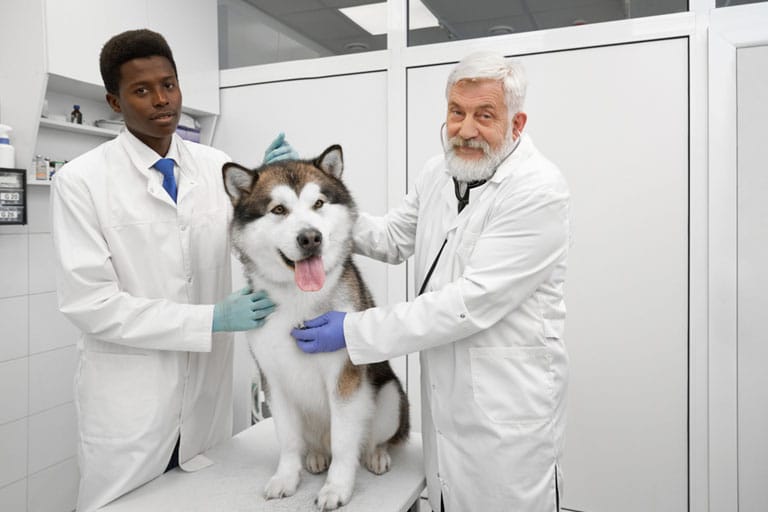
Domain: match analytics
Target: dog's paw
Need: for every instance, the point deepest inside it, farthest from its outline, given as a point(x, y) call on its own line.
point(317, 462)
point(281, 486)
point(378, 461)
point(333, 496)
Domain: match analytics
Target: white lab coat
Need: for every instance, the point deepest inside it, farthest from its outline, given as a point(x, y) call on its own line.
point(139, 276)
point(489, 328)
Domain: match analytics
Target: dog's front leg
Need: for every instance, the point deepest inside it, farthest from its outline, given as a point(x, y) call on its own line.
point(285, 481)
point(349, 418)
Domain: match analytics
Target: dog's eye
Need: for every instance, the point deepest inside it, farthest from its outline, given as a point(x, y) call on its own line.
point(318, 204)
point(278, 210)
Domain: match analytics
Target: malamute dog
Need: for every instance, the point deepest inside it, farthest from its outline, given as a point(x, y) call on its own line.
point(292, 229)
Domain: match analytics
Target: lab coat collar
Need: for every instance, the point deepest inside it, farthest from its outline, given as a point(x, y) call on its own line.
point(508, 166)
point(143, 158)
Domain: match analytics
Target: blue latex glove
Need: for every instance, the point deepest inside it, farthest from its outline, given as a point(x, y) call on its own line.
point(322, 334)
point(242, 311)
point(279, 150)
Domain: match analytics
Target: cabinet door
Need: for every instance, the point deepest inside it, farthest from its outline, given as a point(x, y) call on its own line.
point(77, 30)
point(752, 351)
point(194, 40)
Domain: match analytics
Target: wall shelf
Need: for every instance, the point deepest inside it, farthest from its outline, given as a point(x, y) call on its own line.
point(77, 128)
point(33, 181)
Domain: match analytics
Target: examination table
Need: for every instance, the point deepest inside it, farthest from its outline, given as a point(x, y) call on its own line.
point(243, 465)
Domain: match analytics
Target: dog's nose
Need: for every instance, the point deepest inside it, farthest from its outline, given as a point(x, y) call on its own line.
point(309, 239)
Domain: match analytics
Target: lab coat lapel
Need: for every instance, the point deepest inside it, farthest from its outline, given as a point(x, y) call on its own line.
point(188, 172)
point(450, 206)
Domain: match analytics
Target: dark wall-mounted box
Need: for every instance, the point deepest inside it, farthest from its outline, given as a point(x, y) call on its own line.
point(13, 196)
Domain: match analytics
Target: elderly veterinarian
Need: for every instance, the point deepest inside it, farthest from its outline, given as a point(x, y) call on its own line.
point(487, 224)
point(143, 270)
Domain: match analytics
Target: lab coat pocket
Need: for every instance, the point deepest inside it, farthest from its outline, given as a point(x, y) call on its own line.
point(115, 395)
point(513, 385)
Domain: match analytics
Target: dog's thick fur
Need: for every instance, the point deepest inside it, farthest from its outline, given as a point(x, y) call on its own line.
point(292, 228)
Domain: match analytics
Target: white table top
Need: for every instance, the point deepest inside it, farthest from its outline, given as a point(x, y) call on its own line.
point(242, 466)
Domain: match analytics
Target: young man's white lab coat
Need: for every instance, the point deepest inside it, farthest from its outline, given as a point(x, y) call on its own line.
point(489, 328)
point(138, 276)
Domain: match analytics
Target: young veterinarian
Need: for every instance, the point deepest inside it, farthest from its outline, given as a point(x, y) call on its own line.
point(487, 223)
point(143, 270)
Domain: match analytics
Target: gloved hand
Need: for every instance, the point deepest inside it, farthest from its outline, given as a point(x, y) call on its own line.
point(279, 150)
point(322, 334)
point(242, 311)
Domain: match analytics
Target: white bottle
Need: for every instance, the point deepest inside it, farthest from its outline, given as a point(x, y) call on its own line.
point(7, 154)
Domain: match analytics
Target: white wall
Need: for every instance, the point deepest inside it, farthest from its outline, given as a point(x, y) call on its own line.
point(736, 257)
point(38, 438)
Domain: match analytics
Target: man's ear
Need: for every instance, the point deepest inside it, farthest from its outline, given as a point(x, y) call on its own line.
point(518, 123)
point(114, 102)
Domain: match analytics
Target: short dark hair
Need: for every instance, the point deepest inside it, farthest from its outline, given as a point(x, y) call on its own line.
point(129, 45)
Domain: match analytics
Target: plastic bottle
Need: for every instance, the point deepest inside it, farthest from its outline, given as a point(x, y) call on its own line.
point(7, 153)
point(76, 116)
point(41, 172)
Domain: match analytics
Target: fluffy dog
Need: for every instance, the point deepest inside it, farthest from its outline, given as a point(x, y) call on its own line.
point(292, 228)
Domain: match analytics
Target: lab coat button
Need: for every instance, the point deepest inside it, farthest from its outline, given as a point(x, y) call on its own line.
point(462, 315)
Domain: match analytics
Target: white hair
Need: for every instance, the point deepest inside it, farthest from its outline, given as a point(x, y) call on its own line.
point(493, 66)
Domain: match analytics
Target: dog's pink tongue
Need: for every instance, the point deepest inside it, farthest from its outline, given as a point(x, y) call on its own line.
point(309, 274)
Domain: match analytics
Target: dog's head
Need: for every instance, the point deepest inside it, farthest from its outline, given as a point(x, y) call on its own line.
point(292, 219)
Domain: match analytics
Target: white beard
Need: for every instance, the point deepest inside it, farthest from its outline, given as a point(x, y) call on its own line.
point(474, 170)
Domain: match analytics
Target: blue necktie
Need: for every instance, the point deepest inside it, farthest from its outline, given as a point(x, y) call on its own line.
point(165, 166)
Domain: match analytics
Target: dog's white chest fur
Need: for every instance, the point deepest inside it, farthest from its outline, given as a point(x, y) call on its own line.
point(299, 376)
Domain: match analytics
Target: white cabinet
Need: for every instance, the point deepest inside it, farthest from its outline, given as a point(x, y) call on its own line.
point(191, 29)
point(76, 31)
point(72, 76)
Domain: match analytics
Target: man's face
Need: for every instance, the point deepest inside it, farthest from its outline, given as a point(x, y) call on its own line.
point(478, 134)
point(149, 98)
point(477, 112)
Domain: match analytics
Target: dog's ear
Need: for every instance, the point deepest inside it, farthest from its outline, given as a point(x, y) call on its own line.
point(331, 161)
point(237, 180)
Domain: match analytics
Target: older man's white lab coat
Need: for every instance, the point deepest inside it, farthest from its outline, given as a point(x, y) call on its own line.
point(489, 328)
point(138, 275)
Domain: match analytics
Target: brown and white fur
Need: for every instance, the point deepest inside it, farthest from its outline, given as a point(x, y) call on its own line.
point(326, 410)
